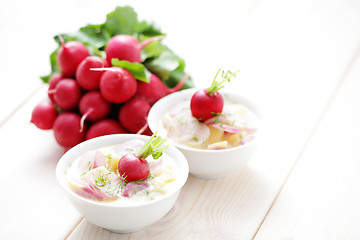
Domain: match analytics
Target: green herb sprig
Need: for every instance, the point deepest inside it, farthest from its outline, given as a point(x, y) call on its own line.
point(153, 147)
point(217, 85)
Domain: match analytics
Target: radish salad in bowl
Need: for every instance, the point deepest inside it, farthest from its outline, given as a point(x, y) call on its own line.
point(112, 180)
point(217, 131)
point(209, 120)
point(114, 174)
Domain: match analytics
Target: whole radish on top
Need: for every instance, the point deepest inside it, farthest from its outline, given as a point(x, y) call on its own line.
point(135, 167)
point(86, 78)
point(208, 102)
point(117, 85)
point(127, 47)
point(70, 55)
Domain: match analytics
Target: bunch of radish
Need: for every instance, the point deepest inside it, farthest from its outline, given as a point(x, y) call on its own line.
point(91, 97)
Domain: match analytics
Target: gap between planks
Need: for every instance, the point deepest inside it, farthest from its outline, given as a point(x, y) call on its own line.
point(338, 86)
point(77, 223)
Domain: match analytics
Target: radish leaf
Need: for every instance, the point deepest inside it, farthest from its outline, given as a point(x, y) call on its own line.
point(122, 20)
point(137, 69)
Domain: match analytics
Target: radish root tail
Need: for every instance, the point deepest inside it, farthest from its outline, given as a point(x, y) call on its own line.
point(62, 42)
point(83, 118)
point(150, 40)
point(143, 128)
point(180, 84)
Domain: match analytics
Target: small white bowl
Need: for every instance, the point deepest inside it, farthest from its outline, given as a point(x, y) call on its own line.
point(207, 163)
point(118, 218)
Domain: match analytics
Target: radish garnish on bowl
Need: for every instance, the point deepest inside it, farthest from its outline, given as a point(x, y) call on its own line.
point(208, 102)
point(134, 167)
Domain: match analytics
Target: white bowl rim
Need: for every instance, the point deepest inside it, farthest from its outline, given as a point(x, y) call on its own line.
point(186, 92)
point(60, 176)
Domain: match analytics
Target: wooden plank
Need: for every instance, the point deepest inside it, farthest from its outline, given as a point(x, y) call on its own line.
point(321, 198)
point(31, 199)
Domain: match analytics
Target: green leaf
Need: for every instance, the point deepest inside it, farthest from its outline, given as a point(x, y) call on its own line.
point(123, 20)
point(175, 78)
point(45, 78)
point(153, 50)
point(137, 69)
point(54, 66)
point(163, 65)
point(147, 29)
point(53, 61)
point(93, 35)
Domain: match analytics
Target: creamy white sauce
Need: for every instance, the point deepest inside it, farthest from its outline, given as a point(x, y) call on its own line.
point(181, 127)
point(94, 175)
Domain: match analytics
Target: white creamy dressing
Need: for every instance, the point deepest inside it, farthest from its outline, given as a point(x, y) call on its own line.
point(181, 127)
point(94, 175)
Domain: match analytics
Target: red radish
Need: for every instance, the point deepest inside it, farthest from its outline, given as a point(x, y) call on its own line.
point(134, 167)
point(156, 89)
point(93, 107)
point(117, 85)
point(86, 78)
point(44, 115)
point(54, 80)
point(70, 56)
point(104, 127)
point(67, 129)
point(133, 116)
point(126, 47)
point(207, 103)
point(66, 94)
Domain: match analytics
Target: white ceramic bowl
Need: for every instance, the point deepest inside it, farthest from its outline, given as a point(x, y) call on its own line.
point(120, 219)
point(207, 163)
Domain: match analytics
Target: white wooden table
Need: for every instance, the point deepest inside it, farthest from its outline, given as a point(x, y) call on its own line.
point(300, 60)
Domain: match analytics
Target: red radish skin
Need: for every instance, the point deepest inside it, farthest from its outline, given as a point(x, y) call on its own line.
point(205, 106)
point(93, 106)
point(133, 116)
point(123, 47)
point(104, 127)
point(87, 78)
point(70, 56)
point(54, 80)
point(44, 115)
point(117, 85)
point(67, 130)
point(66, 94)
point(133, 168)
point(126, 47)
point(156, 89)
